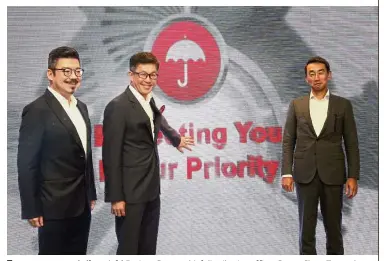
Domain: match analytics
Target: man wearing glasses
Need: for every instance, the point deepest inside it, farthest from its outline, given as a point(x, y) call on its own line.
point(131, 160)
point(56, 179)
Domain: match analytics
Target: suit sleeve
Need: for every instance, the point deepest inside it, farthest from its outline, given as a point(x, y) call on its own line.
point(351, 142)
point(31, 135)
point(169, 132)
point(92, 177)
point(92, 192)
point(289, 140)
point(113, 138)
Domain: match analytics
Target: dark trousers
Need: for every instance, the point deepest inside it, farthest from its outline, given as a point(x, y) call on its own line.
point(137, 231)
point(331, 202)
point(65, 236)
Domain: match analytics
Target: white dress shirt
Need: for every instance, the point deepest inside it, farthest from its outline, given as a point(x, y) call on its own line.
point(318, 109)
point(146, 106)
point(74, 115)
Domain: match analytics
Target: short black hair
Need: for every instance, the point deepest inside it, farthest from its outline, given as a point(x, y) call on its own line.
point(317, 59)
point(61, 52)
point(143, 58)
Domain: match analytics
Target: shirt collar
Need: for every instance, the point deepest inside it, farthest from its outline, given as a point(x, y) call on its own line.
point(326, 97)
point(139, 96)
point(63, 101)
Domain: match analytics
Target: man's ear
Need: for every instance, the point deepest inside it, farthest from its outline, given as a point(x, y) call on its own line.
point(50, 74)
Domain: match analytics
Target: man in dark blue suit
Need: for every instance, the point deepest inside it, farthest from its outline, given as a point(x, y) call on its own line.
point(56, 178)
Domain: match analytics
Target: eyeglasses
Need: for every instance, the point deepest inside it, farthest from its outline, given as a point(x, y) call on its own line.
point(68, 71)
point(144, 75)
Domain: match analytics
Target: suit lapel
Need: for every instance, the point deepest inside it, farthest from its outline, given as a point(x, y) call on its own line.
point(139, 109)
point(84, 113)
point(56, 107)
point(329, 116)
point(156, 116)
point(305, 108)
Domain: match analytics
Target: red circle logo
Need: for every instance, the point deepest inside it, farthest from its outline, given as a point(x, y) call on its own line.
point(189, 59)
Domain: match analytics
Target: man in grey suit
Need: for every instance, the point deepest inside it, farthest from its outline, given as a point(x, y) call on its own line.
point(313, 157)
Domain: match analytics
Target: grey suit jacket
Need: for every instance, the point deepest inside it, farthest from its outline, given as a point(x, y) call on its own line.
point(304, 153)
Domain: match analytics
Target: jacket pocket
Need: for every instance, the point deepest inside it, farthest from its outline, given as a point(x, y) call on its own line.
point(337, 156)
point(338, 123)
point(299, 155)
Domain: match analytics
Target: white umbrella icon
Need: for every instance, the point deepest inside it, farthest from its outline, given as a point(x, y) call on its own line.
point(185, 50)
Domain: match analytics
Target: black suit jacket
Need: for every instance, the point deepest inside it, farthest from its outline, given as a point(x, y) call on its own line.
point(130, 156)
point(56, 178)
point(304, 153)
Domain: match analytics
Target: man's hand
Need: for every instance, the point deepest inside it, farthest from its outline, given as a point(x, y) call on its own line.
point(287, 184)
point(351, 187)
point(185, 142)
point(93, 203)
point(36, 222)
point(118, 208)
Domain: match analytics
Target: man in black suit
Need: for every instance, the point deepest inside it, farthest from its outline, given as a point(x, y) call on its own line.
point(313, 157)
point(131, 159)
point(56, 179)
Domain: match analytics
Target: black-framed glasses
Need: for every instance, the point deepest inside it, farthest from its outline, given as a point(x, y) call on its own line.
point(68, 71)
point(144, 75)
